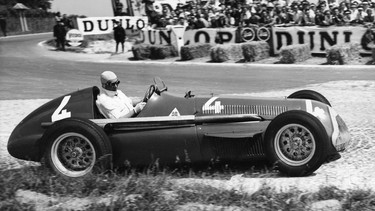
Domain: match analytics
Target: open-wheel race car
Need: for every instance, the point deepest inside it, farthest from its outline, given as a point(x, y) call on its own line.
point(297, 134)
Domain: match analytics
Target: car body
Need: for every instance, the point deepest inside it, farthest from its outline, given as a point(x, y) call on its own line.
point(296, 135)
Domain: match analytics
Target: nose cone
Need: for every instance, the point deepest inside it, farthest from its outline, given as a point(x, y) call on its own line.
point(14, 143)
point(22, 143)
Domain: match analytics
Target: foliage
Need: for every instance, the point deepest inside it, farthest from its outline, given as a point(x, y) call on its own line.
point(32, 4)
point(133, 190)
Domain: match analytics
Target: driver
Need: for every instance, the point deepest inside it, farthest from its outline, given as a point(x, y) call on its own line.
point(112, 102)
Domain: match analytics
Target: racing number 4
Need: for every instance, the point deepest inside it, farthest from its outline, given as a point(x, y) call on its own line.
point(59, 113)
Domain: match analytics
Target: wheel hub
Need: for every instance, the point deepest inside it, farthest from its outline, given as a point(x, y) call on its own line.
point(76, 152)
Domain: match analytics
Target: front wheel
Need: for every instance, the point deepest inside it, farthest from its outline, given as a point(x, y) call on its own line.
point(75, 147)
point(296, 143)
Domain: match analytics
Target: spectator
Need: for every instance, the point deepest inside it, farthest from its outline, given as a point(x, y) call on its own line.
point(297, 14)
point(319, 16)
point(306, 19)
point(229, 18)
point(254, 19)
point(360, 16)
point(59, 32)
point(166, 12)
point(265, 18)
point(312, 9)
point(337, 18)
point(246, 15)
point(237, 15)
point(289, 14)
point(58, 17)
point(327, 18)
point(342, 7)
point(270, 9)
point(182, 22)
point(221, 21)
point(367, 38)
point(347, 17)
point(369, 18)
point(213, 21)
point(202, 22)
point(224, 13)
point(354, 11)
point(365, 5)
point(119, 35)
point(3, 25)
point(149, 8)
point(67, 22)
point(281, 16)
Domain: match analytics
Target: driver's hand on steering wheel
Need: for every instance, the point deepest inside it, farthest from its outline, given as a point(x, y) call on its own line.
point(139, 107)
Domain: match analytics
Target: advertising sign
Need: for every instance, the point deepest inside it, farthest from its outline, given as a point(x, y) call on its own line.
point(74, 37)
point(206, 35)
point(263, 34)
point(104, 25)
point(319, 38)
point(247, 34)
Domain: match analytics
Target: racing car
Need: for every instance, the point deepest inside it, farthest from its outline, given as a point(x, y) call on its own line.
point(296, 134)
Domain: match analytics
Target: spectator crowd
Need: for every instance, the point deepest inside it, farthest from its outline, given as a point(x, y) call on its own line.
point(198, 14)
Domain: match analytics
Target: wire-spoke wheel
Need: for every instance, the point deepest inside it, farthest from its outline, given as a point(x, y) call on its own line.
point(296, 143)
point(75, 147)
point(73, 154)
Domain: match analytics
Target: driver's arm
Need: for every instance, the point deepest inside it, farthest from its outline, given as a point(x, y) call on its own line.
point(125, 112)
point(135, 102)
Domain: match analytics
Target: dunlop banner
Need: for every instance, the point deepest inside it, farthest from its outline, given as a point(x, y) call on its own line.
point(104, 25)
point(206, 35)
point(320, 38)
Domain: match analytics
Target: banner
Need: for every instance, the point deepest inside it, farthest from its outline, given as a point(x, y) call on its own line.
point(210, 35)
point(319, 38)
point(206, 35)
point(104, 25)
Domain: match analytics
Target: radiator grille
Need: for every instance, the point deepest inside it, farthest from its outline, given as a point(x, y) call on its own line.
point(247, 109)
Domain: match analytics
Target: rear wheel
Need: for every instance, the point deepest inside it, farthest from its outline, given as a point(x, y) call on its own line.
point(296, 143)
point(76, 147)
point(309, 95)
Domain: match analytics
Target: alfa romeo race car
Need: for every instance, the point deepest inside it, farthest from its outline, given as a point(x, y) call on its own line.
point(297, 134)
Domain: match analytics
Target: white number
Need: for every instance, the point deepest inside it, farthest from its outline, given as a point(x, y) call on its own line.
point(217, 107)
point(59, 113)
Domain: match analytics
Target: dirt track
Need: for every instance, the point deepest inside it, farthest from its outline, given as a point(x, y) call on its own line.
point(353, 100)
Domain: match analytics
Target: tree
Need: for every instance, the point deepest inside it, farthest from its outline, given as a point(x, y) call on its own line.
point(32, 4)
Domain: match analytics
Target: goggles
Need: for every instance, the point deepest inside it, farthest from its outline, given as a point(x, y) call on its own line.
point(112, 86)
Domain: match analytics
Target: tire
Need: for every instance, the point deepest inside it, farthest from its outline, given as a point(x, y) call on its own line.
point(296, 143)
point(309, 95)
point(76, 147)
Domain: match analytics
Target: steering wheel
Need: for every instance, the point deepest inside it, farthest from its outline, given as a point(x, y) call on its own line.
point(150, 91)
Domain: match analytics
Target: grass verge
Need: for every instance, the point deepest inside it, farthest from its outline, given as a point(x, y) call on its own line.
point(155, 191)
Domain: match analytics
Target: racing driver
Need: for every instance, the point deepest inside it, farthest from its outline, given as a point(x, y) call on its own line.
point(112, 102)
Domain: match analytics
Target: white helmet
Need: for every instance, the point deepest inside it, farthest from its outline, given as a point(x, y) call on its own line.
point(109, 80)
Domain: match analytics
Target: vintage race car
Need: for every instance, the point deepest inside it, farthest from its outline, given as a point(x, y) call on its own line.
point(297, 134)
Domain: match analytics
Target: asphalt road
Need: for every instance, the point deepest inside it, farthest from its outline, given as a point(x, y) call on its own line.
point(31, 71)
